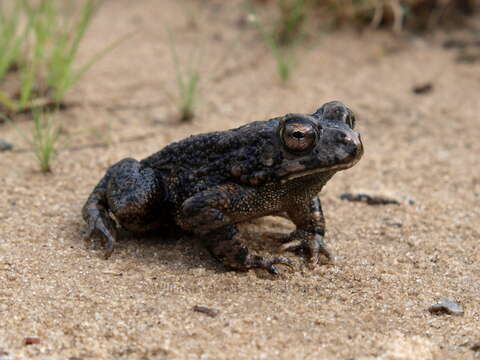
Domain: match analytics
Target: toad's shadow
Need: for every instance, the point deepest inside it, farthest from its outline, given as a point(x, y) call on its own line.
point(185, 250)
point(176, 248)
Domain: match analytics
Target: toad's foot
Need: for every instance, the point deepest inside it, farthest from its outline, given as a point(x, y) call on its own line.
point(226, 245)
point(101, 227)
point(267, 263)
point(310, 244)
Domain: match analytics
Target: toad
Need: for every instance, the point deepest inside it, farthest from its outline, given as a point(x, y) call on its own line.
point(207, 184)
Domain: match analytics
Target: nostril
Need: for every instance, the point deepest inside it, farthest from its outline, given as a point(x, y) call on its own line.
point(343, 138)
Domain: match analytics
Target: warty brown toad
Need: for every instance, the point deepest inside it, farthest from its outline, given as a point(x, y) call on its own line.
point(206, 184)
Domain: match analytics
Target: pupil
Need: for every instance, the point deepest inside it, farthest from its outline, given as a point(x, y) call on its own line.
point(298, 134)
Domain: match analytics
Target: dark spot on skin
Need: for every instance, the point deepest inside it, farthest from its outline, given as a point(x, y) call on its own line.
point(254, 181)
point(236, 171)
point(241, 255)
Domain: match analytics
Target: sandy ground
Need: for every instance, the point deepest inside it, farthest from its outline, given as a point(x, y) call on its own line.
point(391, 262)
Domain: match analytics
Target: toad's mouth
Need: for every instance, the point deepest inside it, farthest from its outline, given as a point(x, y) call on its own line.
point(295, 169)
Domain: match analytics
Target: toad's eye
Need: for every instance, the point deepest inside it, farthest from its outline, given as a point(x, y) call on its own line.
point(351, 120)
point(299, 135)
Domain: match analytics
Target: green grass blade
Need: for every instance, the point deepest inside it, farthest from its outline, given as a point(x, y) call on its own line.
point(8, 102)
point(27, 79)
point(86, 16)
point(44, 139)
point(187, 83)
point(65, 52)
point(176, 63)
point(11, 37)
point(71, 80)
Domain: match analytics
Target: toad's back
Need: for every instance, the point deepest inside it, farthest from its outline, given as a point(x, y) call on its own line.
point(202, 161)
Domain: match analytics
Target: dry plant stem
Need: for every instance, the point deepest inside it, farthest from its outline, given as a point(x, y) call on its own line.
point(377, 15)
point(398, 16)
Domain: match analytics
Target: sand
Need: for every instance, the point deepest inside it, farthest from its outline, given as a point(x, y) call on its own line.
point(391, 262)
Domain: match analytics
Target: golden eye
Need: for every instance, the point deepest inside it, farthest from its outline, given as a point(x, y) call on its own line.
point(299, 135)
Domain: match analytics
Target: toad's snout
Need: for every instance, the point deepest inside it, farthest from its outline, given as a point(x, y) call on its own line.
point(349, 140)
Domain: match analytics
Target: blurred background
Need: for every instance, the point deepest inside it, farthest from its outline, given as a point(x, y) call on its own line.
point(183, 61)
point(84, 84)
point(47, 46)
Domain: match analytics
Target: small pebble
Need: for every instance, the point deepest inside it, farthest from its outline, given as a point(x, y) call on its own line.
point(468, 57)
point(376, 199)
point(393, 222)
point(455, 43)
point(369, 199)
point(422, 88)
point(446, 306)
point(475, 347)
point(32, 340)
point(206, 310)
point(5, 146)
point(4, 355)
point(460, 44)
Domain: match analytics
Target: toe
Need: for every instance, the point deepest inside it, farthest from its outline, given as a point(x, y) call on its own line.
point(269, 264)
point(291, 245)
point(109, 246)
point(319, 247)
point(326, 253)
point(276, 236)
point(316, 247)
point(272, 269)
point(280, 260)
point(101, 228)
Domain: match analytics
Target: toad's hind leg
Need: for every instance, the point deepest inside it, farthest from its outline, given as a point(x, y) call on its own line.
point(213, 214)
point(130, 191)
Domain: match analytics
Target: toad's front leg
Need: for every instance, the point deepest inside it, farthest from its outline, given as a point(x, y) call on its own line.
point(213, 214)
point(308, 236)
